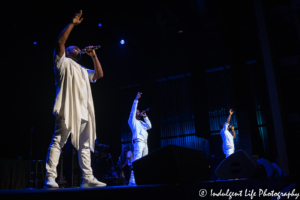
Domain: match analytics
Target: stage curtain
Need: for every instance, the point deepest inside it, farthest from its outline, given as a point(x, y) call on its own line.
point(13, 174)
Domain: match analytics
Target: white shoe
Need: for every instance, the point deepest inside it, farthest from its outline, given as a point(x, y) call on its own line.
point(86, 183)
point(132, 179)
point(50, 183)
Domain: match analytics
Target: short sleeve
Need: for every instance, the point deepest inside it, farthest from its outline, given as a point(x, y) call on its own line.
point(59, 61)
point(225, 126)
point(91, 74)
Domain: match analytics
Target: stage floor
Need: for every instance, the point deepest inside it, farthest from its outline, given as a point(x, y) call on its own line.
point(259, 188)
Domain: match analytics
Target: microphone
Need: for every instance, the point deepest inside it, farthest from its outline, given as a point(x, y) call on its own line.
point(146, 110)
point(83, 51)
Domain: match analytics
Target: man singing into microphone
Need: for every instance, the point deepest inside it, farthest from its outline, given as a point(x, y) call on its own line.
point(227, 137)
point(139, 130)
point(73, 108)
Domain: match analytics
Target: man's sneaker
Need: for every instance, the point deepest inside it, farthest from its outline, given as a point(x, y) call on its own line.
point(86, 183)
point(50, 183)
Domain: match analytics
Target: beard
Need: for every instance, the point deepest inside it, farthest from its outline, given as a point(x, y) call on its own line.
point(78, 56)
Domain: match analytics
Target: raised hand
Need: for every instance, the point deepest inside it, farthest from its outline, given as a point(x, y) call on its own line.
point(76, 18)
point(88, 51)
point(139, 95)
point(229, 117)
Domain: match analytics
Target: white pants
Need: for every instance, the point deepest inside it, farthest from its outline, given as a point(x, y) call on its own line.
point(228, 151)
point(59, 139)
point(140, 149)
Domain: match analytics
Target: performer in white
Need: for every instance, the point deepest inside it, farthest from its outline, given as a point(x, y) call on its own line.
point(227, 137)
point(74, 108)
point(139, 130)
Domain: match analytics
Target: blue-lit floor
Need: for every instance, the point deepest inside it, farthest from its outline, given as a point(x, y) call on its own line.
point(154, 192)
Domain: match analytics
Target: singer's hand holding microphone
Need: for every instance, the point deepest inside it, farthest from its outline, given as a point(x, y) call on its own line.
point(90, 50)
point(143, 113)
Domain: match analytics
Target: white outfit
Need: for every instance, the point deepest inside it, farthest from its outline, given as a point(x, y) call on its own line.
point(130, 158)
point(227, 137)
point(74, 112)
point(139, 133)
point(74, 98)
point(59, 139)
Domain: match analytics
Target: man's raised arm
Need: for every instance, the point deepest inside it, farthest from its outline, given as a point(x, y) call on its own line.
point(229, 117)
point(62, 38)
point(132, 116)
point(97, 66)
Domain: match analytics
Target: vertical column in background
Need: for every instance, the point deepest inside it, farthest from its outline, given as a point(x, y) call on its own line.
point(272, 89)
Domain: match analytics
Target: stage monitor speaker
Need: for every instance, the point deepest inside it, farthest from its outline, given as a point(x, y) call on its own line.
point(270, 169)
point(280, 171)
point(240, 164)
point(170, 165)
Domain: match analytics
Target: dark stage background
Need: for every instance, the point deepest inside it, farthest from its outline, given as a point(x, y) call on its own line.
point(209, 55)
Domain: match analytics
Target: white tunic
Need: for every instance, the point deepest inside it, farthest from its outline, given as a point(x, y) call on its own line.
point(74, 99)
point(227, 138)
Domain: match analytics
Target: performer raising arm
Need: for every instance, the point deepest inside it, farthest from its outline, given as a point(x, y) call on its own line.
point(228, 144)
point(139, 130)
point(73, 108)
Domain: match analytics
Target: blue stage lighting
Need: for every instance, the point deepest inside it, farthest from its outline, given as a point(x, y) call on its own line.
point(122, 42)
point(34, 43)
point(99, 24)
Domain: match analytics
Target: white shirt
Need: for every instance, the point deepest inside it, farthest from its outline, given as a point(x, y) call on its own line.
point(60, 65)
point(73, 99)
point(138, 127)
point(130, 158)
point(227, 137)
